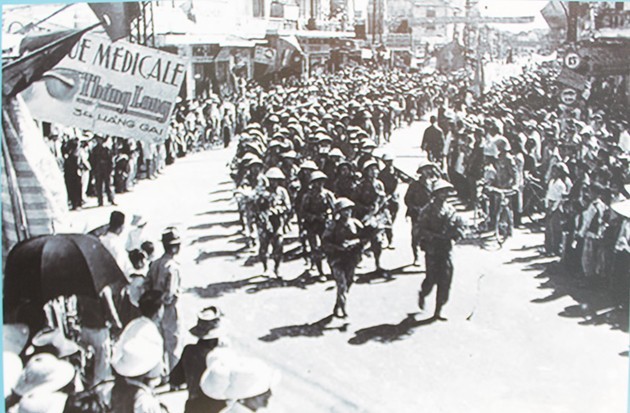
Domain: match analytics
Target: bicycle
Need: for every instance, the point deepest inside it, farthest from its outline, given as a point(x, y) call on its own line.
point(533, 197)
point(504, 216)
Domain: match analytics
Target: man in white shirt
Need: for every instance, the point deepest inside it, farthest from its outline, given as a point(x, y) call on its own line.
point(624, 137)
point(136, 236)
point(115, 243)
point(559, 187)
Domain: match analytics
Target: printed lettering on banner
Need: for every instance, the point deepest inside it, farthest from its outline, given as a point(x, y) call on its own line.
point(118, 89)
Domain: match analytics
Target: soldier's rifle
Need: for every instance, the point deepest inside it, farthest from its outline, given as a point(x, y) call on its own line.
point(367, 219)
point(405, 177)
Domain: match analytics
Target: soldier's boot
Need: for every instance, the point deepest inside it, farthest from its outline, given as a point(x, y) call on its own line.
point(390, 237)
point(305, 252)
point(377, 261)
point(340, 311)
point(438, 312)
point(421, 300)
point(336, 312)
point(320, 268)
point(276, 269)
point(416, 259)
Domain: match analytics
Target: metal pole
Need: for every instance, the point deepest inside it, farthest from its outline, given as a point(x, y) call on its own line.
point(31, 26)
point(572, 22)
point(373, 22)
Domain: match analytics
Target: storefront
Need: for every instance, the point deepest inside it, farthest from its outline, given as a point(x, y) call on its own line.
point(213, 62)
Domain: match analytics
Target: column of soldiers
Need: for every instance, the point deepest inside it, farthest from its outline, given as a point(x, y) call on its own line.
point(307, 159)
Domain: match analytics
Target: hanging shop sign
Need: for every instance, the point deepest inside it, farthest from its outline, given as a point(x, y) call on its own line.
point(118, 89)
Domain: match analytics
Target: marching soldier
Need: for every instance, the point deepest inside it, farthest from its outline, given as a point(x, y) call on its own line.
point(345, 182)
point(342, 243)
point(316, 208)
point(273, 206)
point(330, 166)
point(304, 178)
point(370, 201)
point(390, 183)
point(417, 197)
point(439, 227)
point(245, 194)
point(365, 154)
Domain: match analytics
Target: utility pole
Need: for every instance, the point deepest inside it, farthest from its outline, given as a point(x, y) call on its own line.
point(142, 28)
point(572, 21)
point(373, 22)
point(311, 21)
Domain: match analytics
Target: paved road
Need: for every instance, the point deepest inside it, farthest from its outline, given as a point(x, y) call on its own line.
point(534, 342)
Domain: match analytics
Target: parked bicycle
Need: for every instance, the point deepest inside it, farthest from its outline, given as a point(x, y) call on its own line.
point(533, 197)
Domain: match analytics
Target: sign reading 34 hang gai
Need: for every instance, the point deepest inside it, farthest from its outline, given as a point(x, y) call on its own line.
point(119, 89)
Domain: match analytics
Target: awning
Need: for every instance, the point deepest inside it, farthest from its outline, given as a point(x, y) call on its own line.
point(224, 54)
point(234, 41)
point(616, 33)
point(196, 39)
point(316, 34)
point(293, 41)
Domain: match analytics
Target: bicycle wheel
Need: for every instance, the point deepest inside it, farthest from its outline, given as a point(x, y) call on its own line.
point(503, 226)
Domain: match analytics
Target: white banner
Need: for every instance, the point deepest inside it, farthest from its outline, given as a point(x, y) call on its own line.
point(119, 89)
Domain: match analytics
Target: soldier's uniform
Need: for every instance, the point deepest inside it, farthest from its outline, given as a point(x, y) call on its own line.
point(390, 184)
point(164, 276)
point(273, 206)
point(418, 195)
point(245, 197)
point(304, 177)
point(341, 242)
point(439, 227)
point(370, 199)
point(316, 209)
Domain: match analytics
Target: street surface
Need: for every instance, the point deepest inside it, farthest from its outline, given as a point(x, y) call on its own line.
point(535, 341)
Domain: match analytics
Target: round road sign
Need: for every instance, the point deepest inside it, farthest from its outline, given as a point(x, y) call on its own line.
point(572, 60)
point(568, 96)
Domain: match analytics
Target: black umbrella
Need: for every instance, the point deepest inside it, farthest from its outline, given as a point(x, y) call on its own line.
point(49, 266)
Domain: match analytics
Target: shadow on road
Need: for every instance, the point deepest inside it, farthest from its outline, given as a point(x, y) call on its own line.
point(387, 333)
point(315, 329)
point(596, 304)
point(483, 240)
point(234, 254)
point(222, 199)
point(207, 238)
point(217, 212)
point(386, 275)
point(253, 285)
point(221, 191)
point(211, 225)
point(218, 289)
point(528, 248)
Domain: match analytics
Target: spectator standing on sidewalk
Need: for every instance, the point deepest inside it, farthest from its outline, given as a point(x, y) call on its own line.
point(164, 276)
